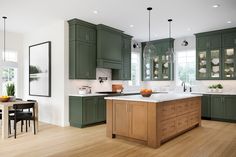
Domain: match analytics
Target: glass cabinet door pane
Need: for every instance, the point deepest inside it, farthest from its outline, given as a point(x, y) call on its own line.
point(147, 69)
point(165, 67)
point(229, 64)
point(215, 64)
point(156, 68)
point(202, 64)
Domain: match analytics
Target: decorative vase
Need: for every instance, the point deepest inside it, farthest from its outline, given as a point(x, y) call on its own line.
point(12, 98)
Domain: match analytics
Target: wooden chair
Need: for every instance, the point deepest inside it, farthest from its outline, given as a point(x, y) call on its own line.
point(20, 116)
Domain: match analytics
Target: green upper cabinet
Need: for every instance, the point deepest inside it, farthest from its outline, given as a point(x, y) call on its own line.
point(216, 57)
point(109, 47)
point(208, 56)
point(125, 72)
point(158, 68)
point(82, 50)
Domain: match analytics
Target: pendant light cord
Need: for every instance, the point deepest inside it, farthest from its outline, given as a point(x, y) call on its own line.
point(4, 37)
point(149, 25)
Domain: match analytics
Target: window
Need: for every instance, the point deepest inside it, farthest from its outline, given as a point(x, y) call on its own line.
point(8, 71)
point(135, 69)
point(185, 67)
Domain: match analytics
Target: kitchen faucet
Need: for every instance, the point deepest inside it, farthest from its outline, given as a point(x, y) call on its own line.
point(184, 86)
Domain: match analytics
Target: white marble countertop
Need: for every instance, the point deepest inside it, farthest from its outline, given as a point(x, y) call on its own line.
point(123, 93)
point(215, 93)
point(160, 97)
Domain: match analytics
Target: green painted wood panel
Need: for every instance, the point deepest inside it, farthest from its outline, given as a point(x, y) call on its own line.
point(217, 107)
point(109, 47)
point(206, 106)
point(229, 39)
point(230, 107)
point(101, 109)
point(89, 110)
point(75, 111)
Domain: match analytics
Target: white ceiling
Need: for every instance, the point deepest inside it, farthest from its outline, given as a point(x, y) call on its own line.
point(197, 15)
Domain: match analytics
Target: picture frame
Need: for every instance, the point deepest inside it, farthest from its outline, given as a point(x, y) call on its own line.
point(40, 69)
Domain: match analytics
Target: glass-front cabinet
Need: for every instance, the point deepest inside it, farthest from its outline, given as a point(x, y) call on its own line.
point(229, 64)
point(158, 68)
point(202, 64)
point(215, 66)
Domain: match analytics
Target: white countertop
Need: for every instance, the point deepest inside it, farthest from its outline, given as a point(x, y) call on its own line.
point(160, 97)
point(98, 94)
point(216, 93)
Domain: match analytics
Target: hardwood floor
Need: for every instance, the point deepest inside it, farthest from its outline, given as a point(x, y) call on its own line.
point(213, 139)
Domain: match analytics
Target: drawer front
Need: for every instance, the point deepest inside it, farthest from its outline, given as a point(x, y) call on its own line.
point(167, 111)
point(194, 118)
point(182, 123)
point(194, 105)
point(168, 128)
point(182, 107)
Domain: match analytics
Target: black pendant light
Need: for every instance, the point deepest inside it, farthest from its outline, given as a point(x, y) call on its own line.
point(170, 52)
point(4, 37)
point(149, 51)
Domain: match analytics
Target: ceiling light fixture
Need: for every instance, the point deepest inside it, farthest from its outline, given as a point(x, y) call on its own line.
point(216, 6)
point(229, 22)
point(170, 52)
point(149, 51)
point(4, 37)
point(95, 12)
point(131, 26)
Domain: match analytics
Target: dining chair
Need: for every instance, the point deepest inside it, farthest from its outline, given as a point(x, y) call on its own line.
point(19, 116)
point(30, 100)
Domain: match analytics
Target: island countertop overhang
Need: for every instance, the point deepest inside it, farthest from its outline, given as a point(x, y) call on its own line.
point(154, 98)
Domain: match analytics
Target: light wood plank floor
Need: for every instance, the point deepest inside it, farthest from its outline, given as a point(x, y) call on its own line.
point(213, 139)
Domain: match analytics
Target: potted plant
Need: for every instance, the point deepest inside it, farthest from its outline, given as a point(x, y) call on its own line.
point(214, 88)
point(11, 91)
point(210, 88)
point(219, 88)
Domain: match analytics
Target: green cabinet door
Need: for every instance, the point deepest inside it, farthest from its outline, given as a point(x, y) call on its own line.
point(89, 110)
point(206, 106)
point(82, 50)
point(75, 111)
point(85, 61)
point(101, 109)
point(217, 107)
point(230, 107)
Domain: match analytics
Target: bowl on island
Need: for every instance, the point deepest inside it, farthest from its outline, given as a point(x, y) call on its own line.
point(4, 98)
point(146, 92)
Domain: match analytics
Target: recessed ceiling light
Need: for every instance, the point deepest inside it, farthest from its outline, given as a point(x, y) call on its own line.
point(216, 6)
point(229, 22)
point(95, 12)
point(131, 26)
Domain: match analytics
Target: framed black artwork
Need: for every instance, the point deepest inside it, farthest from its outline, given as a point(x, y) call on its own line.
point(40, 69)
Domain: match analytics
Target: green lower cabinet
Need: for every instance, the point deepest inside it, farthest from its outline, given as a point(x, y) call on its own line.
point(230, 107)
point(85, 111)
point(206, 106)
point(217, 107)
point(223, 107)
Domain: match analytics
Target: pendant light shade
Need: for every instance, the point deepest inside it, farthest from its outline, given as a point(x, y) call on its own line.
point(4, 37)
point(149, 51)
point(170, 52)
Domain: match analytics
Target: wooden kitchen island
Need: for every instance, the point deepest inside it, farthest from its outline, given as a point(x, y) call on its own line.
point(152, 120)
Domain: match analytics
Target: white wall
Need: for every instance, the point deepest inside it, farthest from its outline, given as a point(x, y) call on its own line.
point(51, 109)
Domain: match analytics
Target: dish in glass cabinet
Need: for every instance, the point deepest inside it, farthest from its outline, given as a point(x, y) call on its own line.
point(166, 65)
point(202, 70)
point(227, 70)
point(215, 61)
point(148, 72)
point(229, 61)
point(156, 59)
point(155, 72)
point(215, 69)
point(230, 52)
point(231, 69)
point(201, 55)
point(156, 66)
point(216, 75)
point(148, 65)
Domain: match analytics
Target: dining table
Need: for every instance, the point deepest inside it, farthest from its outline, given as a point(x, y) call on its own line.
point(5, 107)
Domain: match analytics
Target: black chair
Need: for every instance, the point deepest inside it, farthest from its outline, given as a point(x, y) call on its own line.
point(29, 109)
point(20, 116)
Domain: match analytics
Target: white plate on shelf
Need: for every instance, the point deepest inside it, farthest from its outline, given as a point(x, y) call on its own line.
point(202, 70)
point(229, 61)
point(215, 69)
point(230, 52)
point(215, 61)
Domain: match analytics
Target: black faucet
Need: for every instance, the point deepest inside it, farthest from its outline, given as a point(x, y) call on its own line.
point(184, 86)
